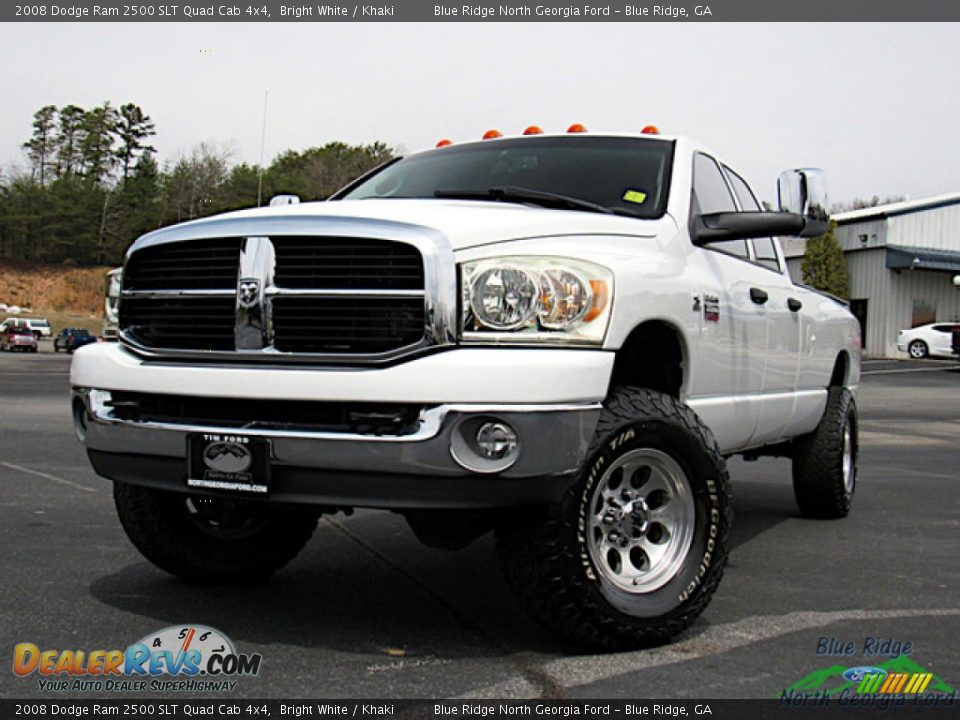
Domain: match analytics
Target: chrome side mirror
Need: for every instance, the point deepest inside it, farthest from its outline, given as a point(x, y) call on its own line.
point(804, 192)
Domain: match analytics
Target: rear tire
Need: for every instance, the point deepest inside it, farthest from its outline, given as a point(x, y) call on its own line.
point(918, 350)
point(825, 461)
point(210, 540)
point(633, 553)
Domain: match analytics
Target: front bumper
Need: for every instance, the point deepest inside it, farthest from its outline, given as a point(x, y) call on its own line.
point(429, 466)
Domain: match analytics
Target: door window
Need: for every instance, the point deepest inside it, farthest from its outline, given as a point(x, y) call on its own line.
point(712, 194)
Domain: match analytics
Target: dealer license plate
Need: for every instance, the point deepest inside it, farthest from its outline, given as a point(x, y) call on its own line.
point(228, 463)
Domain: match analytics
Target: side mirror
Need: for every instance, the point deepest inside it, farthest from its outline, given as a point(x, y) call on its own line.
point(804, 192)
point(723, 226)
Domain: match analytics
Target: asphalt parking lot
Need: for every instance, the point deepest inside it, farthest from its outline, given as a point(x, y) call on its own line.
point(366, 611)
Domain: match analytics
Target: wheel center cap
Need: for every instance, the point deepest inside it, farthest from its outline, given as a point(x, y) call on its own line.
point(633, 516)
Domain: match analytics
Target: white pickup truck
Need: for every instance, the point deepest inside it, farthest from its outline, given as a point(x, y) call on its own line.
point(560, 338)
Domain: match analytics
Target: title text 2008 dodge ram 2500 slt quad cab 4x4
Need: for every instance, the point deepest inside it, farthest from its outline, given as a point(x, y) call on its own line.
point(556, 337)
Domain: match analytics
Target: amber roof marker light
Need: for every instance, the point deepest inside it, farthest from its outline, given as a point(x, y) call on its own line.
point(651, 130)
point(577, 128)
point(492, 134)
point(445, 142)
point(533, 130)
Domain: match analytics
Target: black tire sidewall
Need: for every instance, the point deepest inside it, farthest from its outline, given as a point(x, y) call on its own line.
point(706, 554)
point(158, 523)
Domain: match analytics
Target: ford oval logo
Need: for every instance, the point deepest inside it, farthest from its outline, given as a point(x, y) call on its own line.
point(227, 457)
point(856, 674)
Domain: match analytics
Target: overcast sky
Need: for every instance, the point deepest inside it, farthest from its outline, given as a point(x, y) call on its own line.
point(876, 105)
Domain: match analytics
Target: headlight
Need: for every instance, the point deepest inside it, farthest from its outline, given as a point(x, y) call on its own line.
point(535, 299)
point(504, 297)
point(111, 301)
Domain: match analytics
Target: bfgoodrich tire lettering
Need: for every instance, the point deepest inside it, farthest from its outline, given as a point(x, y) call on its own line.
point(825, 461)
point(175, 532)
point(546, 555)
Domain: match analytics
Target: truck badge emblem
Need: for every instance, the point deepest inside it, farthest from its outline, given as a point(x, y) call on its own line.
point(248, 292)
point(711, 308)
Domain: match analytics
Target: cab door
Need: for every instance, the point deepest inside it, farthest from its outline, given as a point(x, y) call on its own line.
point(733, 328)
point(772, 289)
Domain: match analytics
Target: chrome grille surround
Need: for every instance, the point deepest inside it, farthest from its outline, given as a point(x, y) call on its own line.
point(256, 289)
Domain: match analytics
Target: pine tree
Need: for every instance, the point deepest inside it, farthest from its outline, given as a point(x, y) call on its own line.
point(825, 266)
point(132, 128)
point(40, 148)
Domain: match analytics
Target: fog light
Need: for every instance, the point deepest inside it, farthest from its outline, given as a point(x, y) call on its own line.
point(496, 440)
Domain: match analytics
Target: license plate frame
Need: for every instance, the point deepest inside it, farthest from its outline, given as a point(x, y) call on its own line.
point(229, 463)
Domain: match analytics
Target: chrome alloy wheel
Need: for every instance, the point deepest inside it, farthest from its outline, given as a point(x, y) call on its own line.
point(849, 469)
point(640, 521)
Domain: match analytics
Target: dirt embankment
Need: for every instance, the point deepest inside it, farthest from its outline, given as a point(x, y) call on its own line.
point(53, 288)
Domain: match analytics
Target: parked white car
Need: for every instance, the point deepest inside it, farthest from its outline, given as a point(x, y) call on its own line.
point(931, 340)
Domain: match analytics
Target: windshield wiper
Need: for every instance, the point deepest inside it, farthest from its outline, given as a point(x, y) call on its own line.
point(523, 195)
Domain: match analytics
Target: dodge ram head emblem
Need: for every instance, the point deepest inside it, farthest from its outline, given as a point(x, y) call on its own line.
point(248, 292)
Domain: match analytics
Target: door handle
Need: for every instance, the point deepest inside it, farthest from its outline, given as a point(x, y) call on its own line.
point(794, 304)
point(758, 296)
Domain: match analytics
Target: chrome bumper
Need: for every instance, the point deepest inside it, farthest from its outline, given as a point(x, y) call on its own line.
point(427, 467)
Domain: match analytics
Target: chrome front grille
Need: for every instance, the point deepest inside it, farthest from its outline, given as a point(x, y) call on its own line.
point(285, 297)
point(191, 323)
point(345, 264)
point(195, 265)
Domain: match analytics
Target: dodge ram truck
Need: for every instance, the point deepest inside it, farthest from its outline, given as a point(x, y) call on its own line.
point(559, 338)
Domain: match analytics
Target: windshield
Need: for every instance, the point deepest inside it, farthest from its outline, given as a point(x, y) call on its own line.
point(625, 175)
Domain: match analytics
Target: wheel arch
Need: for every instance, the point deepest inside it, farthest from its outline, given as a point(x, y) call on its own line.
point(841, 370)
point(654, 356)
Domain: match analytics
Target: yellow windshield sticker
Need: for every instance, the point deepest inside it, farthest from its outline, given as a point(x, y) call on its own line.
point(634, 196)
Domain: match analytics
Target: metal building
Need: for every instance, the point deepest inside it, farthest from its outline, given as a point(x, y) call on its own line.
point(902, 258)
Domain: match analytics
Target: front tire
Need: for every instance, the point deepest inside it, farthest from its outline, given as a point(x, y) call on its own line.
point(211, 540)
point(825, 461)
point(633, 553)
point(918, 350)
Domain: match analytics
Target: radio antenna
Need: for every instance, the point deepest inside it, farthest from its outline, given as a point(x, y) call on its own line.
point(263, 142)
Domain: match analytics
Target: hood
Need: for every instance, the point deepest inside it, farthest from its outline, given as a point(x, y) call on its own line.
point(465, 223)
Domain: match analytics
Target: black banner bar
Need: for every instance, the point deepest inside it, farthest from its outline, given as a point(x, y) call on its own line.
point(482, 11)
point(246, 709)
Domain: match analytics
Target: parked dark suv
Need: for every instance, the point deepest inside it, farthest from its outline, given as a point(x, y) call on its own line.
point(71, 338)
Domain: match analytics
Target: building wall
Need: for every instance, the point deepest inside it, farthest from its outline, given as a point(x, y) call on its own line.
point(870, 280)
point(890, 295)
point(864, 235)
point(936, 229)
point(907, 286)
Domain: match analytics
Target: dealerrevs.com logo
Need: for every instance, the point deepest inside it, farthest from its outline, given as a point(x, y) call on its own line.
point(178, 658)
